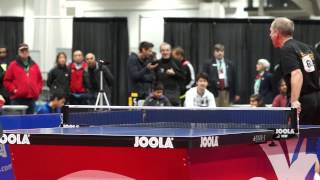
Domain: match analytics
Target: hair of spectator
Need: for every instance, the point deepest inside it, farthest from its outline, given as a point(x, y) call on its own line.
point(218, 47)
point(265, 63)
point(145, 45)
point(179, 51)
point(202, 75)
point(94, 56)
point(258, 98)
point(75, 51)
point(280, 82)
point(284, 26)
point(157, 86)
point(165, 44)
point(59, 54)
point(58, 94)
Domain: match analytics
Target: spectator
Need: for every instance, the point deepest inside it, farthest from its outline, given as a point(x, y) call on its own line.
point(263, 81)
point(222, 81)
point(178, 54)
point(79, 82)
point(94, 78)
point(170, 74)
point(55, 103)
point(281, 99)
point(199, 96)
point(59, 76)
point(140, 70)
point(156, 98)
point(3, 68)
point(256, 101)
point(23, 80)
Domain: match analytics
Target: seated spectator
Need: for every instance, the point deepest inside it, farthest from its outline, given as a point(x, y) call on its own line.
point(256, 101)
point(55, 104)
point(263, 82)
point(156, 98)
point(281, 99)
point(199, 96)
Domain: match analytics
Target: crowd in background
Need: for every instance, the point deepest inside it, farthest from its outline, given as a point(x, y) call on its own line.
point(168, 81)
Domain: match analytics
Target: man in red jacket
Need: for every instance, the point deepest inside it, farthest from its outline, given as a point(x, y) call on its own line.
point(23, 80)
point(79, 81)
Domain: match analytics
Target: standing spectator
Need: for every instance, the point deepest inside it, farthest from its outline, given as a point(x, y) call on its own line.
point(170, 74)
point(199, 96)
point(281, 99)
point(55, 103)
point(156, 98)
point(23, 80)
point(222, 81)
point(178, 54)
point(79, 82)
point(300, 67)
point(3, 68)
point(263, 81)
point(59, 76)
point(140, 70)
point(94, 78)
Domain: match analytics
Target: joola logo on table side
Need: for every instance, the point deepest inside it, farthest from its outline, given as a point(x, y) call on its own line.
point(153, 142)
point(209, 141)
point(285, 131)
point(14, 139)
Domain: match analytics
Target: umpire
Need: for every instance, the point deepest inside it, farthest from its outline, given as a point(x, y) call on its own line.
point(300, 66)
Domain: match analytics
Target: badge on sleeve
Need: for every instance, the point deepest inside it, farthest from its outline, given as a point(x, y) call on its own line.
point(308, 63)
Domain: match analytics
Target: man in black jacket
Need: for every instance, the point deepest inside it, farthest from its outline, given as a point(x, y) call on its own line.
point(59, 76)
point(4, 62)
point(140, 71)
point(170, 74)
point(94, 78)
point(222, 82)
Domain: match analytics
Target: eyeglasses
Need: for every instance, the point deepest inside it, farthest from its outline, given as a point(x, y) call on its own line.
point(3, 52)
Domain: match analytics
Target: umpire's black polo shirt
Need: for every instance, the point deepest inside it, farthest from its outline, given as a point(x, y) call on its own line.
point(297, 55)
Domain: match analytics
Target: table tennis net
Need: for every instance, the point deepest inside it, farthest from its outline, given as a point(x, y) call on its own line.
point(180, 117)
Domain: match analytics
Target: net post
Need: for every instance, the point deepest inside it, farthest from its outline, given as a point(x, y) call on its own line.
point(65, 115)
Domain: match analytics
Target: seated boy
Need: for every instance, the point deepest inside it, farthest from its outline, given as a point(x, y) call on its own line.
point(199, 96)
point(256, 101)
point(156, 98)
point(55, 104)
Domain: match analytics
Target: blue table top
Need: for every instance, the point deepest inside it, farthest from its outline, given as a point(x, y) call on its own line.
point(136, 131)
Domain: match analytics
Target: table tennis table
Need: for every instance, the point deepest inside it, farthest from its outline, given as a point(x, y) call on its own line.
point(146, 152)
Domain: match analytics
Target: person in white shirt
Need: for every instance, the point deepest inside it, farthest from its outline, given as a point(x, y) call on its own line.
point(199, 96)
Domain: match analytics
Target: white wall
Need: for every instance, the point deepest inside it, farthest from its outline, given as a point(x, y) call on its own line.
point(47, 27)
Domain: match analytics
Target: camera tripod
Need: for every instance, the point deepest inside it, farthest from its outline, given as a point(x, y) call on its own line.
point(102, 96)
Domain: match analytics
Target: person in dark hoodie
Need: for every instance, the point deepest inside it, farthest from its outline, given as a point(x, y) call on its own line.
point(170, 74)
point(94, 78)
point(23, 80)
point(59, 76)
point(4, 62)
point(140, 70)
point(156, 98)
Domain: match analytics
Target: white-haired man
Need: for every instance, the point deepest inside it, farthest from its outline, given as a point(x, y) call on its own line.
point(300, 66)
point(263, 81)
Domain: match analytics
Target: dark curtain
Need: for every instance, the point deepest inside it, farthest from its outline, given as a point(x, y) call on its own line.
point(11, 34)
point(107, 38)
point(245, 40)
